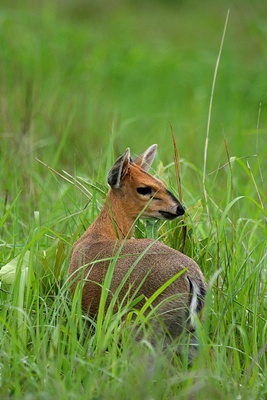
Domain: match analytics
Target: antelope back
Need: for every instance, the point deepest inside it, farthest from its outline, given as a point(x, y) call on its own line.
point(141, 193)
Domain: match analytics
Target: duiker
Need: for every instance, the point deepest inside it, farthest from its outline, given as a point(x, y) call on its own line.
point(134, 193)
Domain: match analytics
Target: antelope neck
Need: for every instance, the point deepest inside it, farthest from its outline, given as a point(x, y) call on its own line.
point(118, 224)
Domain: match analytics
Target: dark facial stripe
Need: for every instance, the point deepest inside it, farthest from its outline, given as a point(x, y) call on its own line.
point(172, 196)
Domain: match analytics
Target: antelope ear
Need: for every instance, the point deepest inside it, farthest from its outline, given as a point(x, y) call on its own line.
point(119, 170)
point(145, 159)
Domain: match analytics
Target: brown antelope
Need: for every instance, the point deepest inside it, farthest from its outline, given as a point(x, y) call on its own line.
point(134, 193)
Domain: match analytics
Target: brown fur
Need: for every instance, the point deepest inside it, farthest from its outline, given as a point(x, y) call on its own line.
point(111, 233)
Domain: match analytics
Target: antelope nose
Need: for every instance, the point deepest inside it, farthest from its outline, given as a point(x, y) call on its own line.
point(180, 210)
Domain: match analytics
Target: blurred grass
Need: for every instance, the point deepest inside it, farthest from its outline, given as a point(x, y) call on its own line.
point(133, 65)
point(81, 81)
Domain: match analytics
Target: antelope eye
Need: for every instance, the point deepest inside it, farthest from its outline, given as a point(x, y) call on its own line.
point(144, 191)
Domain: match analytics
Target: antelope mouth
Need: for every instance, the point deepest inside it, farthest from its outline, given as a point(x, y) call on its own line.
point(168, 215)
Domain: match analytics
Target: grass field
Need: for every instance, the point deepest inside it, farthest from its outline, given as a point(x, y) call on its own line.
point(79, 83)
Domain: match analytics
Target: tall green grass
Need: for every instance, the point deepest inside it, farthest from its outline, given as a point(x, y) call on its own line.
point(80, 83)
